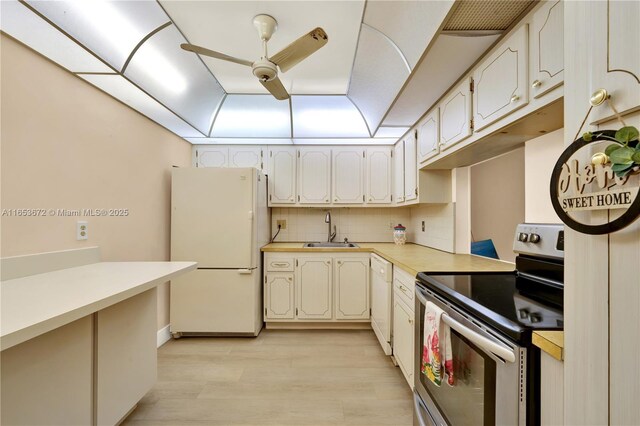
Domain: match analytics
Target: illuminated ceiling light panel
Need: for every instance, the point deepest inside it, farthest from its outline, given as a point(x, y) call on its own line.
point(326, 116)
point(21, 23)
point(111, 29)
point(378, 75)
point(177, 78)
point(253, 116)
point(123, 90)
point(240, 141)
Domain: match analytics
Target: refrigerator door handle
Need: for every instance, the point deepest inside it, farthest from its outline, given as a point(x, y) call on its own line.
point(245, 271)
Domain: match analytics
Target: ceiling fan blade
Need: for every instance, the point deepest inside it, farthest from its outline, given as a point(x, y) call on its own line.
point(276, 88)
point(212, 53)
point(291, 55)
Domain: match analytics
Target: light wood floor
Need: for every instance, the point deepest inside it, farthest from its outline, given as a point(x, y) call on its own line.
point(282, 377)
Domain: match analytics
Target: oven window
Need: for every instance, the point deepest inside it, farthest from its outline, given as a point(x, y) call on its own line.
point(471, 401)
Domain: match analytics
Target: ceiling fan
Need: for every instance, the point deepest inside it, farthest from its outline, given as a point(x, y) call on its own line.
point(266, 68)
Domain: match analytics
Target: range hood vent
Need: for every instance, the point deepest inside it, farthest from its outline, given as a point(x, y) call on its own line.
point(486, 15)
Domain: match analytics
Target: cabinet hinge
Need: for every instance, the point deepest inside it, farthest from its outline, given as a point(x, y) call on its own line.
point(270, 197)
point(261, 165)
point(391, 197)
point(270, 153)
point(363, 198)
point(471, 124)
point(391, 153)
point(363, 156)
point(298, 198)
point(296, 311)
point(471, 86)
point(369, 312)
point(296, 262)
point(265, 312)
point(415, 134)
point(298, 154)
point(416, 192)
point(261, 154)
point(265, 279)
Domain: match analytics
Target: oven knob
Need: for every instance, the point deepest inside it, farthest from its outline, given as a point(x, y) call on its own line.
point(534, 238)
point(523, 237)
point(535, 317)
point(524, 313)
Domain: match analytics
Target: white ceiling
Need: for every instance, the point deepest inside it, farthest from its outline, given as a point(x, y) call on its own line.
point(226, 26)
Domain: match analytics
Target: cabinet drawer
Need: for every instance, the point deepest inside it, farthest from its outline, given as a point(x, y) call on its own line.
point(280, 264)
point(404, 285)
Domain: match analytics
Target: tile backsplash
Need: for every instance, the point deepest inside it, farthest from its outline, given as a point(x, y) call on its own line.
point(356, 224)
point(369, 224)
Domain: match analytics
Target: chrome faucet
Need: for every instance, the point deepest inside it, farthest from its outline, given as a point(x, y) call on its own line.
point(330, 236)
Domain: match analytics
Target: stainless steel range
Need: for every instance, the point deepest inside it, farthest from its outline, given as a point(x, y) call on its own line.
point(492, 317)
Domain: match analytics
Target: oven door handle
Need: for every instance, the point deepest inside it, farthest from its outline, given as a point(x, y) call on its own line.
point(488, 345)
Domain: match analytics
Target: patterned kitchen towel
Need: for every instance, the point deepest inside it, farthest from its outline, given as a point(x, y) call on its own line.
point(437, 341)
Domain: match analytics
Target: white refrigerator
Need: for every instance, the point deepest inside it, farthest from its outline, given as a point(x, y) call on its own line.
point(220, 219)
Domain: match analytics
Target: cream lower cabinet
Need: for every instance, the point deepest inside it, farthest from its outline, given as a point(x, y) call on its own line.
point(351, 277)
point(316, 288)
point(279, 301)
point(551, 390)
point(403, 338)
point(314, 283)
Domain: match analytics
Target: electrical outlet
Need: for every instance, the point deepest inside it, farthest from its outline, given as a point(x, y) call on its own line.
point(423, 226)
point(82, 230)
point(282, 224)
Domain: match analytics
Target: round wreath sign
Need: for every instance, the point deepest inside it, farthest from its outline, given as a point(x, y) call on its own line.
point(621, 156)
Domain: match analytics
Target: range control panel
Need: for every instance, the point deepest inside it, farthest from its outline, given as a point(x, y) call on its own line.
point(540, 239)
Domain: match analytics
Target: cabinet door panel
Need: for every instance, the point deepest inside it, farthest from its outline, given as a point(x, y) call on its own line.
point(348, 174)
point(429, 136)
point(212, 156)
point(279, 296)
point(245, 156)
point(398, 172)
point(352, 288)
point(501, 81)
point(410, 168)
point(403, 339)
point(616, 63)
point(455, 115)
point(547, 49)
point(378, 175)
point(313, 278)
point(315, 175)
point(282, 175)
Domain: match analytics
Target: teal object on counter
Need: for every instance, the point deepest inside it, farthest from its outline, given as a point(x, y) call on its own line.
point(484, 248)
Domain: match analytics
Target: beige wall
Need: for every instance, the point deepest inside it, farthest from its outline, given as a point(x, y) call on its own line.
point(497, 200)
point(439, 222)
point(540, 156)
point(67, 145)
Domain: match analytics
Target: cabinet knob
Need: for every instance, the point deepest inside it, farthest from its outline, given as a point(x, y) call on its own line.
point(370, 199)
point(598, 97)
point(336, 200)
point(290, 199)
point(410, 321)
point(328, 262)
point(289, 279)
point(515, 98)
point(536, 84)
point(339, 262)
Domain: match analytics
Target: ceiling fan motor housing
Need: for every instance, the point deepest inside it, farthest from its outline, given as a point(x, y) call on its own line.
point(264, 70)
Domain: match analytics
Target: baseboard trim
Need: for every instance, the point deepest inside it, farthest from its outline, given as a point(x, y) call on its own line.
point(164, 334)
point(366, 325)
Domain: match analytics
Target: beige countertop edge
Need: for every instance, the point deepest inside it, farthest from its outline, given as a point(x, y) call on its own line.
point(413, 258)
point(551, 342)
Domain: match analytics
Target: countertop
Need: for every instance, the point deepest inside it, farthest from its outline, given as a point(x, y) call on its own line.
point(39, 303)
point(552, 342)
point(413, 258)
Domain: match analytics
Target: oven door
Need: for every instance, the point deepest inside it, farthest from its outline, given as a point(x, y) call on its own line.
point(490, 373)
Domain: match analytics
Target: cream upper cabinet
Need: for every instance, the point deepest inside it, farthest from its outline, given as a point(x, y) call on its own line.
point(348, 175)
point(501, 81)
point(378, 175)
point(279, 295)
point(314, 177)
point(212, 156)
point(398, 172)
point(314, 288)
point(410, 168)
point(615, 61)
point(403, 338)
point(429, 136)
point(455, 115)
point(282, 175)
point(547, 48)
point(352, 288)
point(246, 156)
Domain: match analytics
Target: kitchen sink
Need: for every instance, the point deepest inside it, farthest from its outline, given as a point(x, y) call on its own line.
point(330, 245)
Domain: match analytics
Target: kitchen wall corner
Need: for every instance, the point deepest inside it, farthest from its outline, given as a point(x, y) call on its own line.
point(439, 226)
